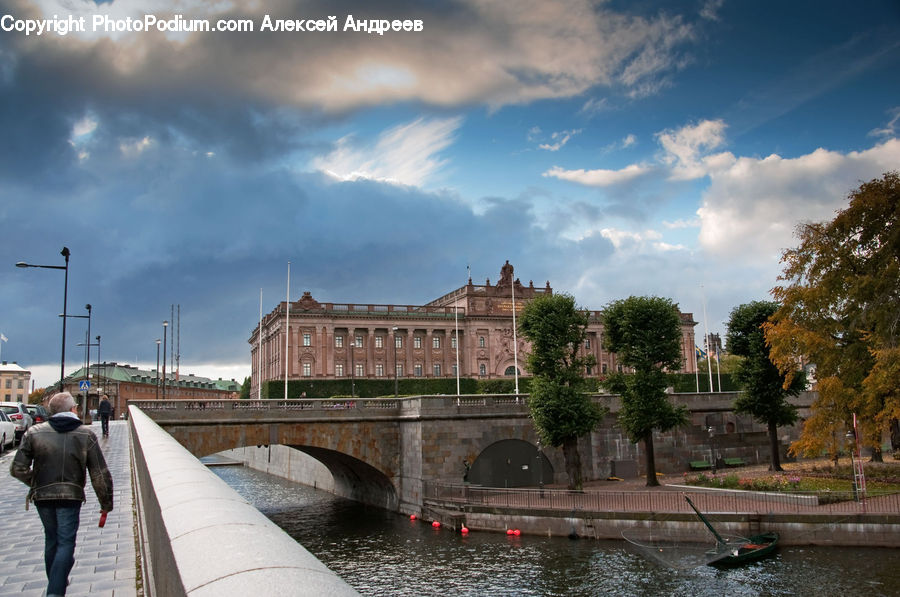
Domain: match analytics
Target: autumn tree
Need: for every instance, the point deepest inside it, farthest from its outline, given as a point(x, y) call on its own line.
point(561, 410)
point(765, 392)
point(645, 334)
point(840, 310)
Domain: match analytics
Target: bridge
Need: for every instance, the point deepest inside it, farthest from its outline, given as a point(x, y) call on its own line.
point(381, 451)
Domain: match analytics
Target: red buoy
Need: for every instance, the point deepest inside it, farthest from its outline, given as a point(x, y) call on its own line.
point(464, 530)
point(517, 532)
point(509, 531)
point(412, 516)
point(436, 524)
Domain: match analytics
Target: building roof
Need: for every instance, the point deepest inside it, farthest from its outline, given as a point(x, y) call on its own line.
point(127, 373)
point(12, 368)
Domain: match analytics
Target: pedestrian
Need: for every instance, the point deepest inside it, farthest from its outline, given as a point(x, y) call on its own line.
point(105, 411)
point(52, 460)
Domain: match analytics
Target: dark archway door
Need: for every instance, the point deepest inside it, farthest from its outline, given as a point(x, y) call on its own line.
point(511, 371)
point(510, 463)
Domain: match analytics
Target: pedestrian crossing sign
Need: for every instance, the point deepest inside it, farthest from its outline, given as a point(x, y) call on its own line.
point(84, 384)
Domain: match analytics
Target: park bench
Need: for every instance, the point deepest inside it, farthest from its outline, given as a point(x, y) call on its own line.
point(700, 465)
point(734, 461)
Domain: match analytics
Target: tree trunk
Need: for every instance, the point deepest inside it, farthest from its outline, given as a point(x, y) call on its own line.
point(652, 481)
point(877, 454)
point(773, 445)
point(895, 435)
point(573, 463)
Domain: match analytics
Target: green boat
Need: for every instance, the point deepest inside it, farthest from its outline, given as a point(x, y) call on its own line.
point(729, 554)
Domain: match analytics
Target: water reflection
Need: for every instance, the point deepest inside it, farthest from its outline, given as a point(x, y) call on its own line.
point(381, 553)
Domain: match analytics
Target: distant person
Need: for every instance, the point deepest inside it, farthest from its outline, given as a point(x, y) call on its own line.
point(105, 411)
point(52, 460)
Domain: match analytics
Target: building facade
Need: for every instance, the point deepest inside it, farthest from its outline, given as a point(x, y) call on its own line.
point(15, 383)
point(470, 328)
point(124, 382)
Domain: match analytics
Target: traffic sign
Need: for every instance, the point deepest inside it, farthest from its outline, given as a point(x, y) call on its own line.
point(84, 384)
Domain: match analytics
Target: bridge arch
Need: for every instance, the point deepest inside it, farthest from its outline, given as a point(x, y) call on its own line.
point(355, 479)
point(510, 463)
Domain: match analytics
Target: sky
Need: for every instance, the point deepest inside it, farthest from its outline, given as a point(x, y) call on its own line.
point(612, 148)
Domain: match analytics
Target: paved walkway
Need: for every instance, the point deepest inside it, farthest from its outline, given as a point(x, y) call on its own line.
point(105, 563)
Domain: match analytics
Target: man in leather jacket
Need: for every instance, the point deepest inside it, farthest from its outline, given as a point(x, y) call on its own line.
point(52, 460)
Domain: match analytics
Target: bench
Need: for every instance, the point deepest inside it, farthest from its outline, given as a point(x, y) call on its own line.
point(734, 461)
point(700, 465)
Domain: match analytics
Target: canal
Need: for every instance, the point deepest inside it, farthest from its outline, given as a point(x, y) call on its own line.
point(383, 553)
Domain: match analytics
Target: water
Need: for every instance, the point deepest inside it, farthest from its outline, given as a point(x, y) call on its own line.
point(382, 553)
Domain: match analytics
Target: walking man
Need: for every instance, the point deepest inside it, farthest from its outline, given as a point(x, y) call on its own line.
point(104, 410)
point(52, 460)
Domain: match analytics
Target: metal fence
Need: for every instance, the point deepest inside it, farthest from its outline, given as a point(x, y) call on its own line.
point(663, 500)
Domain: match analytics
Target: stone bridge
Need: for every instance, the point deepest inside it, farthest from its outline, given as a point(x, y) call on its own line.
point(380, 450)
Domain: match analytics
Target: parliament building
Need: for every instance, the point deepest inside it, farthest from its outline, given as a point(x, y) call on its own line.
point(336, 340)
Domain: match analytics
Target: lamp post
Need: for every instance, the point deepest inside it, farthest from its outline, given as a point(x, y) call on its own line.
point(165, 327)
point(396, 381)
point(352, 368)
point(62, 359)
point(712, 448)
point(157, 368)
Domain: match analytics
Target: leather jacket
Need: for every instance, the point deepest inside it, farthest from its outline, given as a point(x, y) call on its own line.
point(53, 462)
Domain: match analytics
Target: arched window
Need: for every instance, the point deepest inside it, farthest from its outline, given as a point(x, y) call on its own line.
point(510, 371)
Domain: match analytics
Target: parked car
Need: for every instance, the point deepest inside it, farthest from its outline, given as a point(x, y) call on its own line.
point(7, 431)
point(38, 413)
point(19, 415)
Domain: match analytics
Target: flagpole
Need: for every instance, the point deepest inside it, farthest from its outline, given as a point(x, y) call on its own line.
point(515, 341)
point(706, 335)
point(259, 352)
point(287, 330)
point(2, 340)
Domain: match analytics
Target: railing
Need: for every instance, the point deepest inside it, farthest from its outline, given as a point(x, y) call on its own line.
point(662, 500)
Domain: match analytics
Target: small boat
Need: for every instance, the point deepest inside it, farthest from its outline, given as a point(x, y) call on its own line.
point(756, 547)
point(741, 552)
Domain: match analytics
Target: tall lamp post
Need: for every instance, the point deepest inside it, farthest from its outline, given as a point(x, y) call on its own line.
point(396, 381)
point(87, 356)
point(165, 327)
point(62, 359)
point(352, 364)
point(157, 368)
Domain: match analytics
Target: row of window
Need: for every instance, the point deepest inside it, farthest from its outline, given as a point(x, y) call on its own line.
point(360, 370)
point(379, 341)
point(20, 385)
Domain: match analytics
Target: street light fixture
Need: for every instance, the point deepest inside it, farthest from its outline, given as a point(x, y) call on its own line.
point(165, 327)
point(62, 359)
point(396, 382)
point(157, 368)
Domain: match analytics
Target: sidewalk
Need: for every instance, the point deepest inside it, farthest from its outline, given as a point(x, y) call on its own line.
point(104, 558)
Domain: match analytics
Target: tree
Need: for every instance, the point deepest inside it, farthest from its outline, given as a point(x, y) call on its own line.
point(765, 392)
point(645, 333)
point(37, 396)
point(840, 310)
point(245, 389)
point(560, 409)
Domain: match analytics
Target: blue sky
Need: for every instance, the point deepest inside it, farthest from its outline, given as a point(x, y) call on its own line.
point(612, 148)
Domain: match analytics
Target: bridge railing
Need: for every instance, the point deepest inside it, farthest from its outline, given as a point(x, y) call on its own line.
point(662, 501)
point(199, 537)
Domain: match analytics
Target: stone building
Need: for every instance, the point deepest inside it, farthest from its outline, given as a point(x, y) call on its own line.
point(471, 325)
point(14, 383)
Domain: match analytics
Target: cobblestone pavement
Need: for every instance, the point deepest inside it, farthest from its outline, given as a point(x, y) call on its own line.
point(105, 563)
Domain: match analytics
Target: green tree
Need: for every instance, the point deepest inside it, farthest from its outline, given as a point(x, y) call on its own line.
point(245, 389)
point(561, 410)
point(645, 334)
point(840, 310)
point(765, 390)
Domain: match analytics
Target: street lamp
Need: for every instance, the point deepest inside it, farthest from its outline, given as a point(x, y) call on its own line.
point(396, 382)
point(87, 343)
point(62, 359)
point(712, 449)
point(352, 368)
point(165, 327)
point(157, 368)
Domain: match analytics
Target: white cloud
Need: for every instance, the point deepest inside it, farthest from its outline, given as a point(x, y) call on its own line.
point(132, 148)
point(890, 129)
point(406, 154)
point(679, 224)
point(751, 208)
point(560, 138)
point(629, 140)
point(600, 177)
point(685, 149)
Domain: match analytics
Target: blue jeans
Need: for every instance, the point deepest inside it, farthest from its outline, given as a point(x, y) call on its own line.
point(60, 520)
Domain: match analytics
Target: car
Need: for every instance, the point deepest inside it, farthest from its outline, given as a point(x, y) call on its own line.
point(7, 431)
point(19, 415)
point(38, 413)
